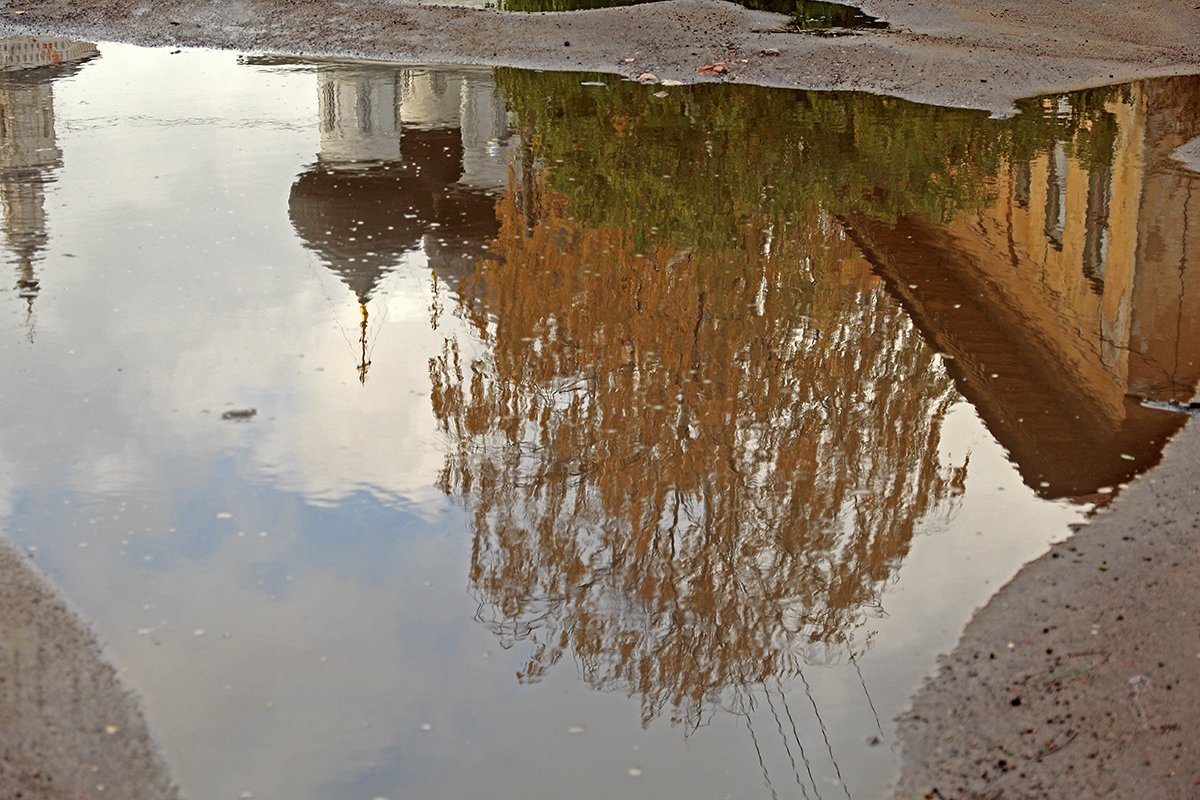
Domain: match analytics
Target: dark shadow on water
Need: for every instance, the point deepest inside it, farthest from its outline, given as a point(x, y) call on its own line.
point(805, 15)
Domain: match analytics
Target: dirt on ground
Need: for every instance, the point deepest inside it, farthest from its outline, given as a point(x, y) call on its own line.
point(1081, 678)
point(70, 728)
point(977, 53)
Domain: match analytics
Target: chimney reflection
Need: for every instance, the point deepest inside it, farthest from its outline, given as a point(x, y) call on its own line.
point(410, 158)
point(1074, 295)
point(29, 152)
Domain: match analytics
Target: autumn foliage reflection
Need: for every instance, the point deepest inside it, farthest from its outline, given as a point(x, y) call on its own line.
point(690, 470)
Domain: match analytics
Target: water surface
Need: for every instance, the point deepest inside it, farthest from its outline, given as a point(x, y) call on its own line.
point(447, 432)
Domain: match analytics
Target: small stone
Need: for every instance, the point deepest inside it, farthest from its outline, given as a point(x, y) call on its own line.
point(771, 51)
point(647, 77)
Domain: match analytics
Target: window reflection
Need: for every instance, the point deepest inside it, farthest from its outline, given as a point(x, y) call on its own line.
point(696, 432)
point(29, 152)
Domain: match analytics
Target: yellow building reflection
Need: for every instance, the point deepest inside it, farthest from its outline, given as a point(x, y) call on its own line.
point(694, 464)
point(29, 152)
point(1072, 297)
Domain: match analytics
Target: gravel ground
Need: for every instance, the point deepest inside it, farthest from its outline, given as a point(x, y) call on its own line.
point(1081, 678)
point(68, 727)
point(978, 53)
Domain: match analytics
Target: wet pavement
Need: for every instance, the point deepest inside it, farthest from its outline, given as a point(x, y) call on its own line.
point(413, 431)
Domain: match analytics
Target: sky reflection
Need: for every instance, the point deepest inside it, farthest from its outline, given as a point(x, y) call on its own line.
point(336, 596)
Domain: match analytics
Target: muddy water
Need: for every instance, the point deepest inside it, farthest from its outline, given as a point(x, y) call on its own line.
point(429, 432)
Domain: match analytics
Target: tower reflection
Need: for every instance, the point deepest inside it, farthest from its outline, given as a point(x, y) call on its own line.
point(410, 158)
point(29, 152)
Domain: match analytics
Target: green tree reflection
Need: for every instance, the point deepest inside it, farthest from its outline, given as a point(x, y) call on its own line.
point(700, 161)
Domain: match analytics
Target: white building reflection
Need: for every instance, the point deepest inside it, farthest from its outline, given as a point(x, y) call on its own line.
point(409, 162)
point(29, 153)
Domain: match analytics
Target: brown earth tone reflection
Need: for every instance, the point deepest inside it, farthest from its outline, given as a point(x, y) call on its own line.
point(686, 468)
point(696, 432)
point(708, 407)
point(1071, 298)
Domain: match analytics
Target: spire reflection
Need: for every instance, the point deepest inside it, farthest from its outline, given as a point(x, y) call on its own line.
point(29, 152)
point(408, 162)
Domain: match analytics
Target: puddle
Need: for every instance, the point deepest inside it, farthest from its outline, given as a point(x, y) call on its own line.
point(431, 432)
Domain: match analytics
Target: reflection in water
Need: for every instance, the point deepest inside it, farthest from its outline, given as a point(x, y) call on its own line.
point(1074, 294)
point(409, 161)
point(699, 400)
point(806, 15)
point(686, 468)
point(697, 435)
point(29, 154)
point(70, 727)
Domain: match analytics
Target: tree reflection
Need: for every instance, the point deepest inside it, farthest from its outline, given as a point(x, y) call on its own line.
point(693, 470)
point(695, 431)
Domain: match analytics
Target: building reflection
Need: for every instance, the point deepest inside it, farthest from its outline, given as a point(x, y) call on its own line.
point(694, 463)
point(1073, 296)
point(29, 152)
point(410, 160)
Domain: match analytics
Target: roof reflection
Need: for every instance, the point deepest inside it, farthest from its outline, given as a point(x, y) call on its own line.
point(29, 152)
point(409, 161)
